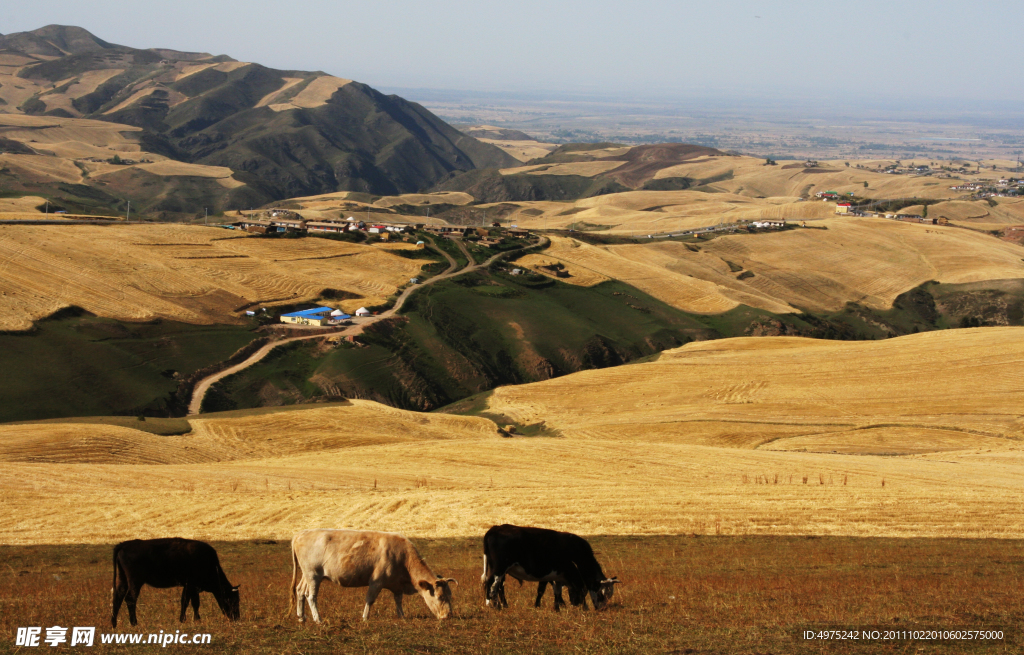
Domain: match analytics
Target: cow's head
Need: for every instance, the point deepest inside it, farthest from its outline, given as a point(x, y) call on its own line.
point(604, 592)
point(229, 603)
point(438, 596)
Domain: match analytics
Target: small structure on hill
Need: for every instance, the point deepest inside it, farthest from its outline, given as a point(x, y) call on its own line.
point(313, 316)
point(362, 311)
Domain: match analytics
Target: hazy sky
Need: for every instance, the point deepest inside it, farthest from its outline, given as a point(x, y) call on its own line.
point(929, 50)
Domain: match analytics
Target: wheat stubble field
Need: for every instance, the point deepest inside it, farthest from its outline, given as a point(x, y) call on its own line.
point(741, 436)
point(865, 260)
point(184, 273)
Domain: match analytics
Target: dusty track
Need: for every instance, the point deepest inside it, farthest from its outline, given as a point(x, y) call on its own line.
point(357, 328)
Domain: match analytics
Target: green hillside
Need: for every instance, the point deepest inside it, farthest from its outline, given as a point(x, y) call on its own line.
point(81, 365)
point(473, 333)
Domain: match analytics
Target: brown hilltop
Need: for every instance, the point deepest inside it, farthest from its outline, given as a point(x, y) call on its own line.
point(644, 161)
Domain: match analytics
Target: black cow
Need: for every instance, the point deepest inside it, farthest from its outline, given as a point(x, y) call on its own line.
point(175, 562)
point(540, 555)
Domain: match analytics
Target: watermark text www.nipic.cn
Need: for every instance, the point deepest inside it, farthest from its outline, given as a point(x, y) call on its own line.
point(86, 636)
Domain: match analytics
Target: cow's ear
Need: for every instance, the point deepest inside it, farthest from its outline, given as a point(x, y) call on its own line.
point(236, 587)
point(426, 586)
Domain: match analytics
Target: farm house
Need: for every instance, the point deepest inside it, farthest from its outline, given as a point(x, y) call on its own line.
point(314, 316)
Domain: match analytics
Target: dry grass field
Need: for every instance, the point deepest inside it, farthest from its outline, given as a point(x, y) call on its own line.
point(190, 274)
point(522, 150)
point(680, 595)
point(66, 146)
point(917, 436)
point(700, 291)
point(638, 213)
point(929, 392)
point(316, 93)
point(584, 168)
point(349, 203)
point(517, 144)
point(865, 260)
point(11, 208)
point(750, 177)
point(979, 214)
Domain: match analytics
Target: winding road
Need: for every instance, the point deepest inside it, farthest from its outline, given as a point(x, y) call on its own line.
point(359, 324)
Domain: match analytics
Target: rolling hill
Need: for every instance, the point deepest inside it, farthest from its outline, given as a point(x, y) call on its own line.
point(245, 134)
point(191, 274)
point(868, 261)
point(896, 396)
point(910, 437)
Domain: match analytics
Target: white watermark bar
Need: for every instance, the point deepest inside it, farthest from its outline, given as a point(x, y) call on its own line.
point(32, 637)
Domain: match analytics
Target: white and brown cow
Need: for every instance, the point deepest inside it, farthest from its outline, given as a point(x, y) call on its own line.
point(354, 558)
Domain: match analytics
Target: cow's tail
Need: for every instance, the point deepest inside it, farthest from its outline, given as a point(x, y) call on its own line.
point(295, 566)
point(113, 583)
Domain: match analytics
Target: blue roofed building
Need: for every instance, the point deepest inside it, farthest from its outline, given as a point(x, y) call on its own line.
point(315, 316)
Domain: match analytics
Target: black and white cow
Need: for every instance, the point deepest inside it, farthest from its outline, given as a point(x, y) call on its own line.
point(175, 562)
point(543, 556)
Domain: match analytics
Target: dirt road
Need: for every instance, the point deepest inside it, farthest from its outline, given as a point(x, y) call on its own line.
point(359, 324)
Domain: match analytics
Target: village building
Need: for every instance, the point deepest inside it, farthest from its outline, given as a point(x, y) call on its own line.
point(843, 208)
point(322, 226)
point(451, 231)
point(362, 311)
point(315, 316)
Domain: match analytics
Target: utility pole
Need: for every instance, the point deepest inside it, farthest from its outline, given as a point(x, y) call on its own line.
point(206, 215)
point(47, 212)
point(128, 216)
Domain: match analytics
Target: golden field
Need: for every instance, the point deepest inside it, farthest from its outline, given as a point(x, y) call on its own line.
point(343, 204)
point(523, 150)
point(864, 260)
point(185, 273)
point(638, 213)
point(65, 147)
point(729, 189)
point(914, 436)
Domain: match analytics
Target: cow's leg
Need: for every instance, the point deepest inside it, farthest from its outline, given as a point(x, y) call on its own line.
point(130, 599)
point(312, 588)
point(300, 596)
point(557, 589)
point(185, 596)
point(541, 586)
point(195, 603)
point(398, 603)
point(498, 592)
point(488, 583)
point(371, 596)
point(117, 597)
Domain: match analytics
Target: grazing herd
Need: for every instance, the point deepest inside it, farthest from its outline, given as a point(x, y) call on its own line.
point(375, 560)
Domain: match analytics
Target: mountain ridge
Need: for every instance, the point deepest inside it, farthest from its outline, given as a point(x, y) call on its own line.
point(282, 133)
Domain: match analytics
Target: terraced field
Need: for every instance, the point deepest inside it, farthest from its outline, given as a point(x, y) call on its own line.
point(741, 436)
point(191, 274)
